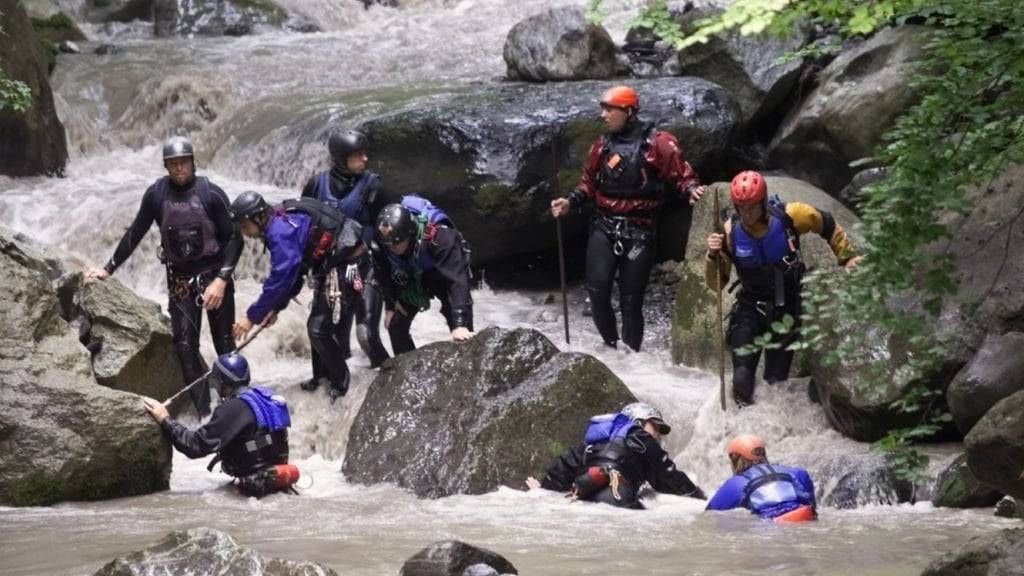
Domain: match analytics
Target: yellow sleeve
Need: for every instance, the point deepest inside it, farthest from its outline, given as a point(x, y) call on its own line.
point(807, 218)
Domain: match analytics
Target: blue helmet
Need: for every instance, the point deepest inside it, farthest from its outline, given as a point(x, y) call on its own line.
point(231, 370)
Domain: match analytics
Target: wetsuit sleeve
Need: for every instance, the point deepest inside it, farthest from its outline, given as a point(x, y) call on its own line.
point(286, 245)
point(228, 234)
point(149, 211)
point(450, 262)
point(804, 479)
point(309, 190)
point(807, 218)
point(560, 474)
point(226, 423)
point(724, 263)
point(587, 188)
point(672, 168)
point(662, 472)
point(729, 496)
point(375, 201)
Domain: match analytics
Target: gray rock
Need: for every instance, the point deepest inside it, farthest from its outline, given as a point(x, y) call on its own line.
point(206, 551)
point(559, 44)
point(853, 480)
point(107, 49)
point(957, 487)
point(995, 446)
point(995, 372)
point(858, 97)
point(995, 554)
point(454, 558)
point(855, 194)
point(214, 17)
point(1009, 507)
point(30, 254)
point(485, 154)
point(31, 142)
point(464, 418)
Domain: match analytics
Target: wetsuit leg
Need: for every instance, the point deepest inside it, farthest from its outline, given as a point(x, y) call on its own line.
point(633, 276)
point(222, 320)
point(777, 362)
point(343, 329)
point(401, 340)
point(322, 339)
point(745, 323)
point(601, 267)
point(186, 321)
point(368, 313)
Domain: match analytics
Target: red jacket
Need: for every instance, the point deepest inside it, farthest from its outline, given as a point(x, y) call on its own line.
point(664, 159)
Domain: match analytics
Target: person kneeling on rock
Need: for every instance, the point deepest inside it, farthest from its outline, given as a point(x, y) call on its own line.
point(772, 491)
point(248, 431)
point(619, 453)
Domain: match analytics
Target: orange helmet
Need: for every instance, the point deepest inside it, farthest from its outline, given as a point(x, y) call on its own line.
point(748, 447)
point(748, 187)
point(620, 97)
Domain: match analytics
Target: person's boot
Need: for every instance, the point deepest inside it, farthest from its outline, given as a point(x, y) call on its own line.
point(312, 384)
point(339, 390)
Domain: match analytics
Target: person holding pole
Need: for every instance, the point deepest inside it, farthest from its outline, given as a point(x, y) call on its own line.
point(628, 174)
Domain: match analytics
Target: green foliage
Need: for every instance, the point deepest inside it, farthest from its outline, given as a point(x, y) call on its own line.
point(656, 17)
point(14, 94)
point(594, 12)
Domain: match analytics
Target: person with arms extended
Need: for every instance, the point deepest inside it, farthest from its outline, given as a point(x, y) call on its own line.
point(248, 431)
point(620, 452)
point(355, 191)
point(200, 246)
point(305, 236)
point(762, 238)
point(629, 174)
point(772, 491)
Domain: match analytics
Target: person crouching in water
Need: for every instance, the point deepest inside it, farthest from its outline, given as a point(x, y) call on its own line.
point(248, 431)
point(619, 453)
point(772, 491)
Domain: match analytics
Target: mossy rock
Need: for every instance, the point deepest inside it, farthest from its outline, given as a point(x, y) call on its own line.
point(58, 28)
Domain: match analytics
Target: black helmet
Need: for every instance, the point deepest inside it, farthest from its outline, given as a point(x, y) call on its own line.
point(178, 147)
point(248, 205)
point(230, 370)
point(395, 224)
point(344, 143)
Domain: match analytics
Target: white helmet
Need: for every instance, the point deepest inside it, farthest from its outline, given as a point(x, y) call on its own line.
point(642, 413)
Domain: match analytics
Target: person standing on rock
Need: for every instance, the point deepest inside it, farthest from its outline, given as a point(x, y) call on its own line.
point(772, 491)
point(619, 453)
point(355, 191)
point(200, 247)
point(629, 173)
point(305, 236)
point(763, 239)
point(248, 431)
point(419, 256)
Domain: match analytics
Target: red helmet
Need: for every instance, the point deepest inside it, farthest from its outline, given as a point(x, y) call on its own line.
point(620, 97)
point(748, 187)
point(748, 447)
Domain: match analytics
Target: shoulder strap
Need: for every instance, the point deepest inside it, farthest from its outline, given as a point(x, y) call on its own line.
point(203, 188)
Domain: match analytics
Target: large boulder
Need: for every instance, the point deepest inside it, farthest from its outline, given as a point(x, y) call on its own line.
point(454, 558)
point(214, 17)
point(62, 436)
point(995, 446)
point(695, 332)
point(995, 372)
point(858, 98)
point(31, 142)
point(455, 418)
point(559, 44)
point(206, 551)
point(484, 153)
point(995, 554)
point(958, 487)
point(853, 480)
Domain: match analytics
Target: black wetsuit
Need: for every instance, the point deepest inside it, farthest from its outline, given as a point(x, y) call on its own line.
point(186, 283)
point(368, 312)
point(640, 459)
point(447, 280)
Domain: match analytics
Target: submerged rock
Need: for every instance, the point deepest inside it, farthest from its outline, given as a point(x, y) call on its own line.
point(467, 417)
point(958, 487)
point(996, 554)
point(454, 558)
point(214, 17)
point(206, 551)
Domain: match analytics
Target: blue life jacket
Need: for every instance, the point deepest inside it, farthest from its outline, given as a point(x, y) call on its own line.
point(426, 211)
point(271, 410)
point(353, 204)
point(772, 490)
point(607, 427)
point(770, 265)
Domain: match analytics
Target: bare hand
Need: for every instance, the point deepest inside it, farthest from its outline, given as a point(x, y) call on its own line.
point(852, 263)
point(97, 274)
point(213, 296)
point(241, 328)
point(715, 242)
point(156, 409)
point(695, 193)
point(462, 333)
point(559, 207)
point(532, 483)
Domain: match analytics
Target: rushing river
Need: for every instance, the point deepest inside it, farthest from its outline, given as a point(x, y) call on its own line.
point(259, 109)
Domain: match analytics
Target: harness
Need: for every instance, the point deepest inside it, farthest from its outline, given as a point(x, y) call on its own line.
point(620, 228)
